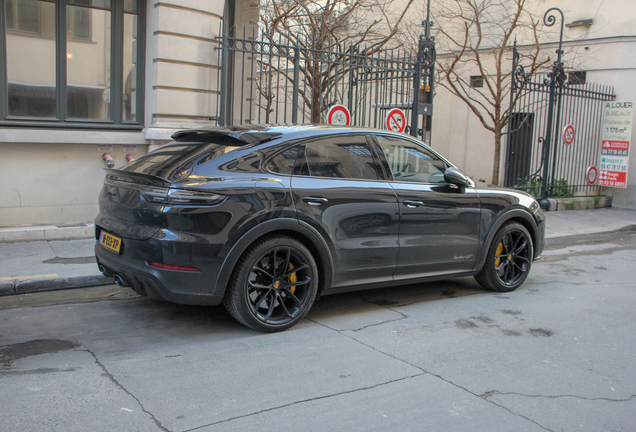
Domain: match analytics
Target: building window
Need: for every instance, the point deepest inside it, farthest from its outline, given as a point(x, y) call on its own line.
point(577, 78)
point(72, 63)
point(476, 81)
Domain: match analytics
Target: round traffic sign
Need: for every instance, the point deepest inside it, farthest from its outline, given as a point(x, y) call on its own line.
point(568, 134)
point(396, 120)
point(592, 175)
point(338, 115)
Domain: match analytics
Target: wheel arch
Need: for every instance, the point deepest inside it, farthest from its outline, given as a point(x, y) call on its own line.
point(515, 215)
point(291, 228)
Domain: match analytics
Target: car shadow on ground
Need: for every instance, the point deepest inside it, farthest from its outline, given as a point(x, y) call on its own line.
point(346, 311)
point(142, 315)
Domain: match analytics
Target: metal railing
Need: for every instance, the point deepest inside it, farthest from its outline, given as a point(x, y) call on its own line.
point(532, 122)
point(269, 81)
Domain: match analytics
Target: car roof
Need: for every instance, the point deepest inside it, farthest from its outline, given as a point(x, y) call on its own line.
point(257, 134)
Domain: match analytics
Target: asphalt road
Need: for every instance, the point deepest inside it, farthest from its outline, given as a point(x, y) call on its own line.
point(558, 354)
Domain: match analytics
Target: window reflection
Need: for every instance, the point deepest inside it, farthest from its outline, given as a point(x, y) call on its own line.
point(411, 162)
point(340, 157)
point(129, 99)
point(30, 55)
point(88, 63)
point(35, 88)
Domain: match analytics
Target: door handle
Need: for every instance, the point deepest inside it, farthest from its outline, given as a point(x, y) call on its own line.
point(315, 200)
point(413, 204)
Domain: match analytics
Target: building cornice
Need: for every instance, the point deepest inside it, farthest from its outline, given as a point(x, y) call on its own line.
point(568, 43)
point(56, 136)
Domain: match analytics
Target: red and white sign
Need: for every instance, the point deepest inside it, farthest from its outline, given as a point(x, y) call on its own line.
point(338, 115)
point(104, 148)
point(616, 136)
point(616, 145)
point(568, 134)
point(396, 120)
point(613, 179)
point(592, 175)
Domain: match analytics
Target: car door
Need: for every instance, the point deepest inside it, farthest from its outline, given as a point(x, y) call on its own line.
point(338, 188)
point(439, 222)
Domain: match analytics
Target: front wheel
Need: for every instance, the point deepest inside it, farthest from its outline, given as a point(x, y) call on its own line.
point(509, 259)
point(274, 284)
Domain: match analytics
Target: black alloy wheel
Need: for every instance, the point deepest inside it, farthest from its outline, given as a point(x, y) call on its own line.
point(273, 285)
point(509, 259)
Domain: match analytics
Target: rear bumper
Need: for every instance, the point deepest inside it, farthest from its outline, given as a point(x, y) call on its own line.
point(182, 287)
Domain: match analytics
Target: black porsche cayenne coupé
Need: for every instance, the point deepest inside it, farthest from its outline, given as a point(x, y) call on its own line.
point(265, 219)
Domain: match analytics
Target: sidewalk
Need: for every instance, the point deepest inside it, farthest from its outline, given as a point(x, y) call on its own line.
point(48, 265)
point(34, 266)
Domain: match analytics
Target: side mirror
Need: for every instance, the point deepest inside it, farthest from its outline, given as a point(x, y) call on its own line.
point(456, 177)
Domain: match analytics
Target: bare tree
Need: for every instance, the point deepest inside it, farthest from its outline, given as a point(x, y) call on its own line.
point(330, 25)
point(475, 37)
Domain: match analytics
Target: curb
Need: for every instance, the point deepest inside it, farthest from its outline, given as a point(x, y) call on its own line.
point(579, 203)
point(47, 233)
point(54, 284)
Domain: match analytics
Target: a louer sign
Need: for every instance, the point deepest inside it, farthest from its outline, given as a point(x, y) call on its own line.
point(616, 137)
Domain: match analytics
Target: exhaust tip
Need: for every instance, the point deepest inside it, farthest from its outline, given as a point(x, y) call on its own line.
point(103, 270)
point(119, 281)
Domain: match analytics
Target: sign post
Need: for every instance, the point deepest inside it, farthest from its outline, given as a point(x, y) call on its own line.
point(396, 120)
point(616, 136)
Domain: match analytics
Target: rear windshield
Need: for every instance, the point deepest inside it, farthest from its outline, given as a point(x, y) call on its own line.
point(172, 159)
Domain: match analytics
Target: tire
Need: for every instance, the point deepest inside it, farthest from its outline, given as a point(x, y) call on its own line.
point(272, 300)
point(509, 259)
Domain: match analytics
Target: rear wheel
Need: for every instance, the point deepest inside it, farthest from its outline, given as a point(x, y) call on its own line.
point(274, 284)
point(509, 259)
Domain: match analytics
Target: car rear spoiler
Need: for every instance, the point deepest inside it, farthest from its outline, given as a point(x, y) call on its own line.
point(229, 136)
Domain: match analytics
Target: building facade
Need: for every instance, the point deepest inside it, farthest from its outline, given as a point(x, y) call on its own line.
point(84, 78)
point(599, 46)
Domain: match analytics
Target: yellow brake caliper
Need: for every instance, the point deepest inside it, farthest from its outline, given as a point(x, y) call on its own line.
point(292, 278)
point(499, 250)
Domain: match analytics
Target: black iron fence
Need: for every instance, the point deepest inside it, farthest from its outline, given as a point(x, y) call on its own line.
point(270, 81)
point(578, 105)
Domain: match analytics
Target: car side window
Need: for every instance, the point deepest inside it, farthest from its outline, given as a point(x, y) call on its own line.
point(283, 162)
point(339, 157)
point(411, 162)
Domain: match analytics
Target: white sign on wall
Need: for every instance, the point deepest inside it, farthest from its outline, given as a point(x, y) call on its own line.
point(104, 148)
point(616, 136)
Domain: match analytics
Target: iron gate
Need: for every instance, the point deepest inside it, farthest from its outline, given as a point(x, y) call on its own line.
point(272, 82)
point(541, 107)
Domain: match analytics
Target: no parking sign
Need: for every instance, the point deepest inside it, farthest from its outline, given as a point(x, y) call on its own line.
point(396, 120)
point(568, 134)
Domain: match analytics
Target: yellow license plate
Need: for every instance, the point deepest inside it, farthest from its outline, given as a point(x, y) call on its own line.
point(110, 242)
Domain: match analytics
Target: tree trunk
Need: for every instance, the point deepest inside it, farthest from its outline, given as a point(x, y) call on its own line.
point(495, 168)
point(315, 102)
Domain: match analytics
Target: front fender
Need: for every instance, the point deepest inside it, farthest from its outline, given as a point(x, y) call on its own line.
point(513, 214)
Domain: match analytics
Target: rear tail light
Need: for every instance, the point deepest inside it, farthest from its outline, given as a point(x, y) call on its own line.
point(173, 267)
point(181, 197)
point(187, 197)
point(155, 195)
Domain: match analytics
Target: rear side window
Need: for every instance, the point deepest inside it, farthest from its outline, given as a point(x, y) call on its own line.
point(339, 157)
point(173, 158)
point(283, 163)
